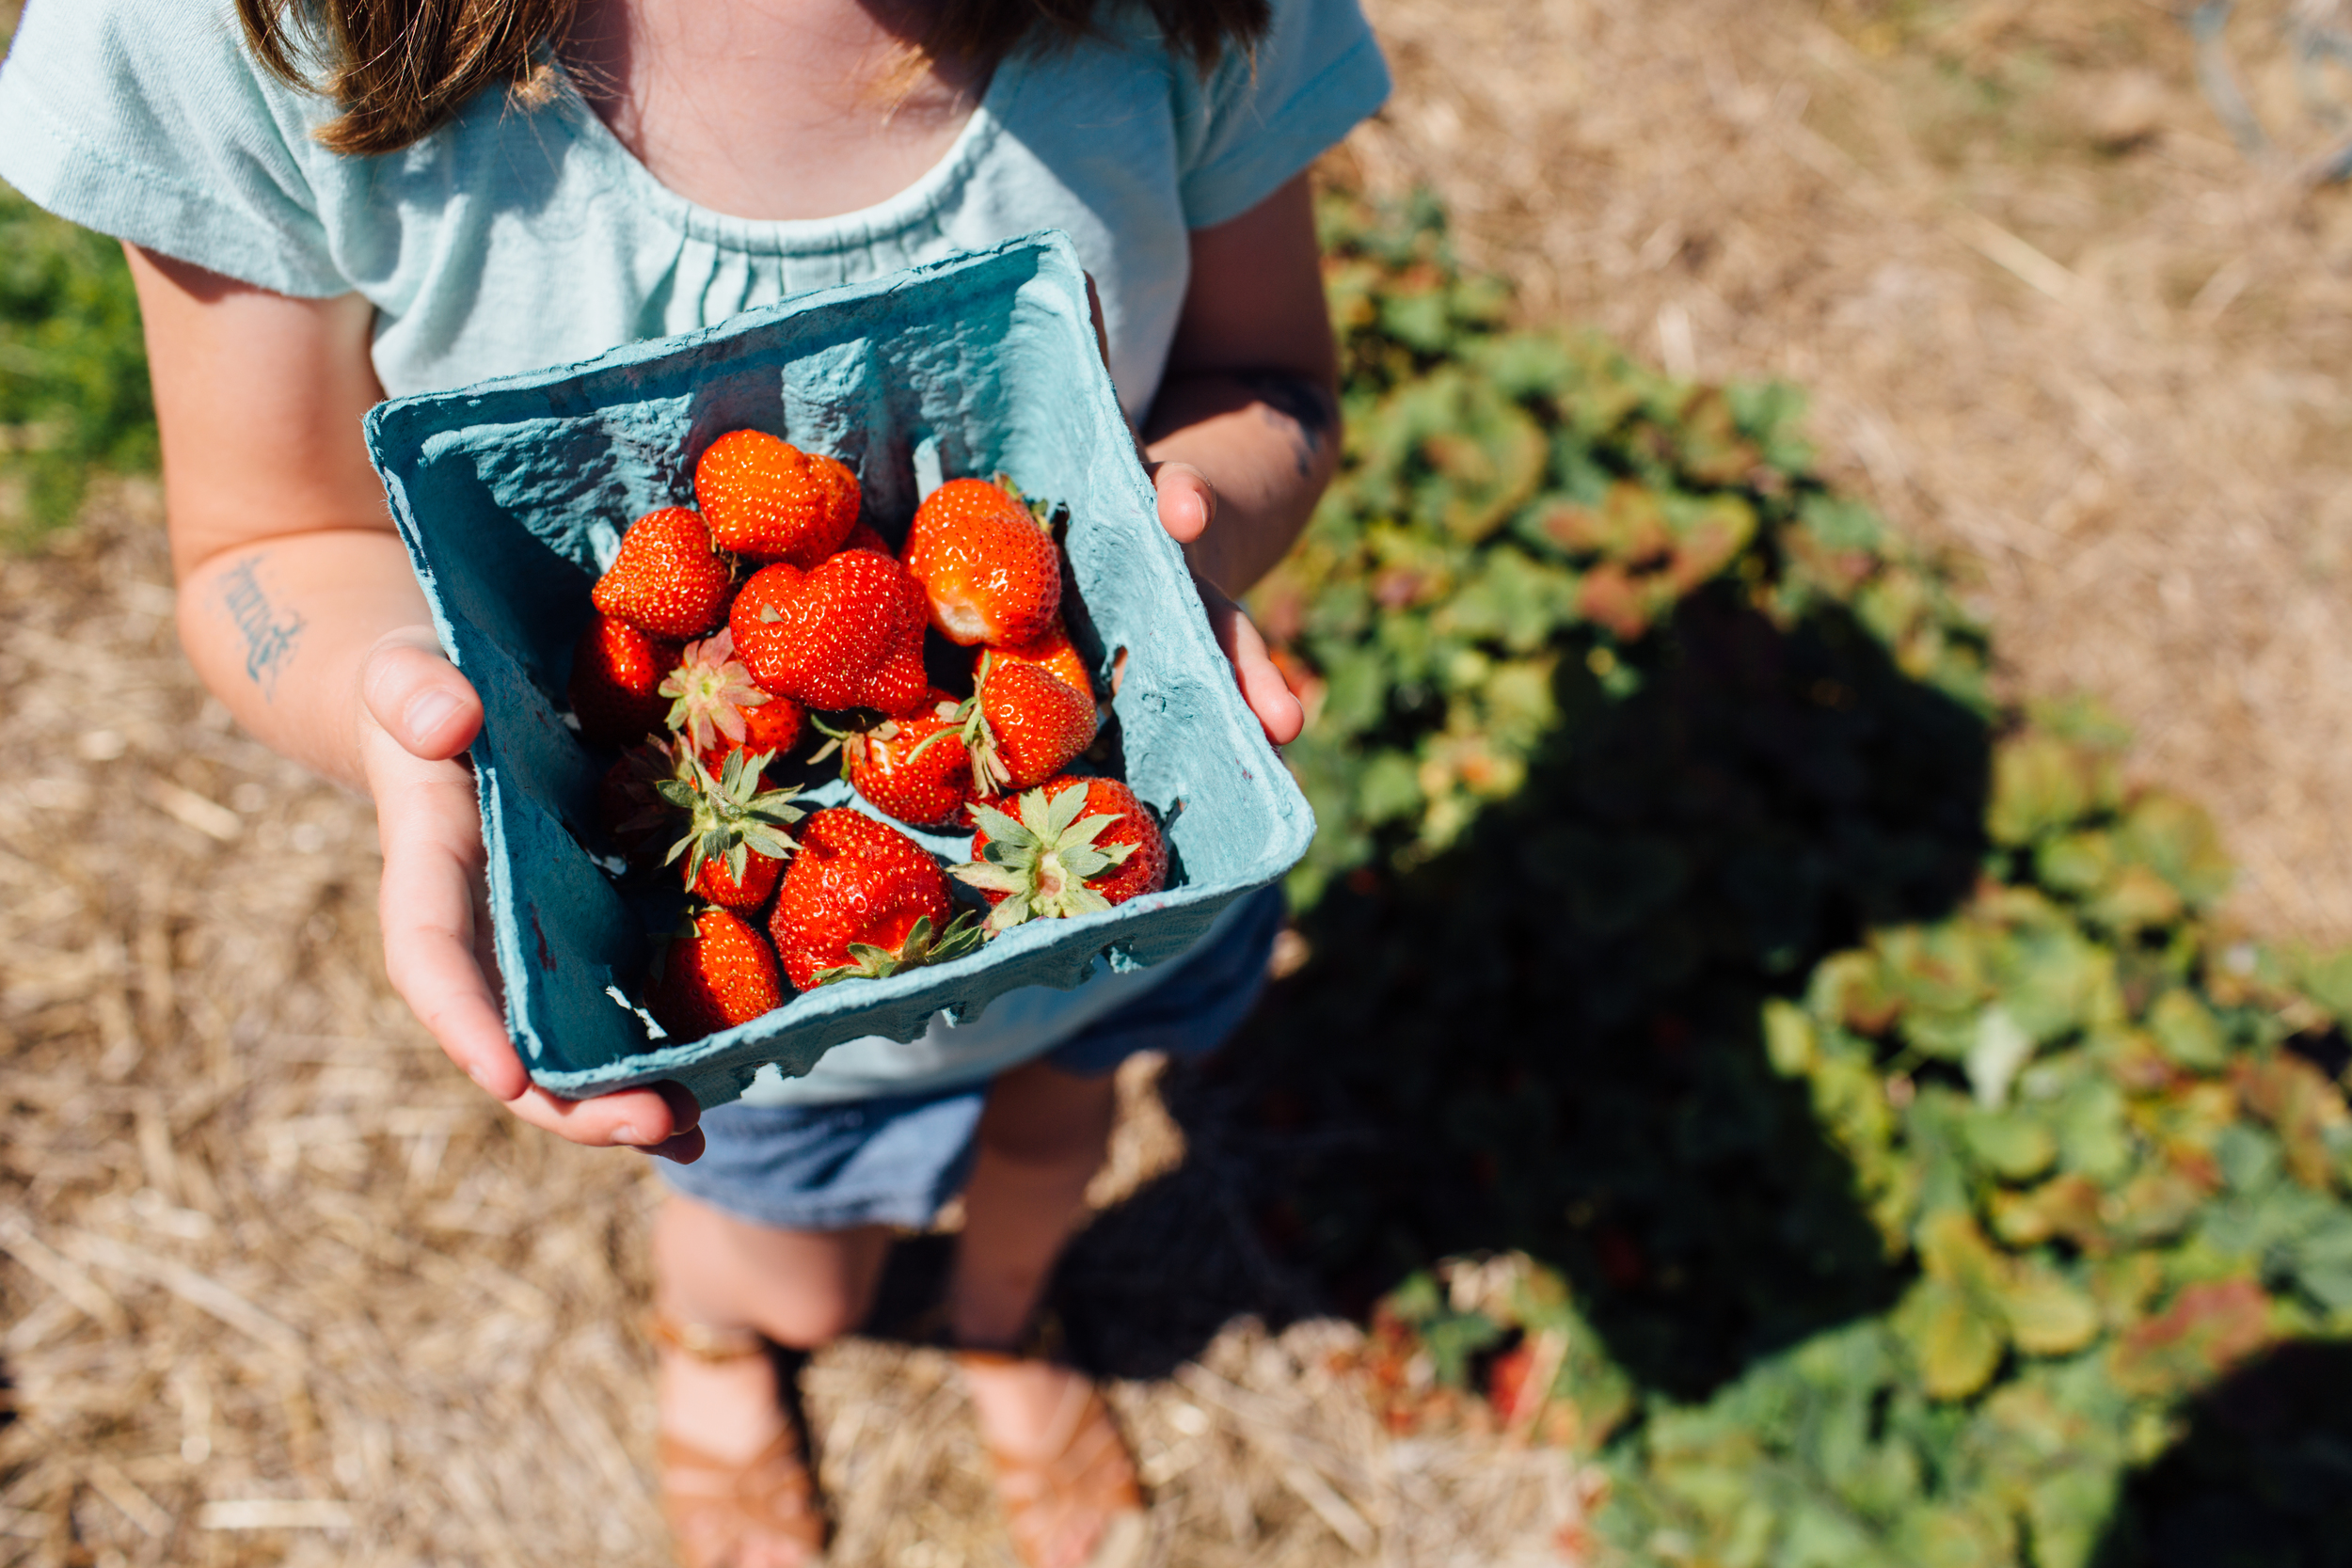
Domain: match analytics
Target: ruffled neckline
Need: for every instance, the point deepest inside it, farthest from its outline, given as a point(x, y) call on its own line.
point(910, 208)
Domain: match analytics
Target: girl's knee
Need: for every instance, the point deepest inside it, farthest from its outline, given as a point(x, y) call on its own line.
point(801, 1288)
point(808, 1318)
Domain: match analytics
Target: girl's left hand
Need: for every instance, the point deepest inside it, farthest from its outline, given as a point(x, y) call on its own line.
point(1187, 502)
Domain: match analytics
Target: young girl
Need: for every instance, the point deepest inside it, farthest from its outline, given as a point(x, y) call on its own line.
point(327, 201)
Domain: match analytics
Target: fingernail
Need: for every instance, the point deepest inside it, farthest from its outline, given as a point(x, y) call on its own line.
point(428, 713)
point(625, 1133)
point(480, 1082)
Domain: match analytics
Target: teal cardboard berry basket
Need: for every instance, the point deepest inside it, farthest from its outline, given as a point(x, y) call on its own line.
point(512, 496)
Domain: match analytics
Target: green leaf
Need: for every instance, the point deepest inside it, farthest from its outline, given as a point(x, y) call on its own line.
point(1787, 1038)
point(988, 877)
point(999, 827)
point(2013, 1146)
point(2322, 1262)
point(1957, 1342)
point(2047, 1316)
point(2186, 1032)
point(2178, 841)
point(1064, 811)
point(2071, 1512)
point(2042, 785)
point(1084, 861)
point(1388, 788)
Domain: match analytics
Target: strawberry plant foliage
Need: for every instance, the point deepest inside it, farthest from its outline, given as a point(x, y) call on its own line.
point(1815, 1090)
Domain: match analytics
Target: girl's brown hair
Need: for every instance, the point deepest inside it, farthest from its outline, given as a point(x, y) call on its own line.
point(399, 69)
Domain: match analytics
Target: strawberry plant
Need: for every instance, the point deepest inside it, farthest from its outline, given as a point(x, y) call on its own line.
point(1771, 1064)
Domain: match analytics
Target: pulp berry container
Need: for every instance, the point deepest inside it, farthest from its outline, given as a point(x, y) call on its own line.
point(512, 497)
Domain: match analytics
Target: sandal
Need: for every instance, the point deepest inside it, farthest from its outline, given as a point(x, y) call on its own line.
point(1082, 1476)
point(714, 1505)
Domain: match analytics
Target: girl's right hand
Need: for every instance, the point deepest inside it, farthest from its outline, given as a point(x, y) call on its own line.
point(420, 715)
point(298, 610)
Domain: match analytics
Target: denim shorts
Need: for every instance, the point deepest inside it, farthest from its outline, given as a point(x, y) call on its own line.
point(896, 1159)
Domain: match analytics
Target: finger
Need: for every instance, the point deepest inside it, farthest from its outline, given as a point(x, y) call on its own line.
point(686, 1147)
point(418, 696)
point(433, 859)
point(633, 1119)
point(686, 1112)
point(1262, 685)
point(1263, 688)
point(1186, 500)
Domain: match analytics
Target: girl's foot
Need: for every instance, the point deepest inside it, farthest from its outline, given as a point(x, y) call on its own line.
point(735, 1482)
point(1065, 1477)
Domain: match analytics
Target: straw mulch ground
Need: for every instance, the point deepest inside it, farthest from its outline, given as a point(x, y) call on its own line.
point(284, 1289)
point(2051, 318)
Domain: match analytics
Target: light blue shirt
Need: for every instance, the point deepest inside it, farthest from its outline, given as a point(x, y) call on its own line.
point(511, 240)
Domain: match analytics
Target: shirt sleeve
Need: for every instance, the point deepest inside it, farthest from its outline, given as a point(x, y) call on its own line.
point(1263, 115)
point(149, 120)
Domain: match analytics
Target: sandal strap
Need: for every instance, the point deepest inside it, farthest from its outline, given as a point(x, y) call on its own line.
point(712, 1504)
point(706, 1342)
point(1084, 1472)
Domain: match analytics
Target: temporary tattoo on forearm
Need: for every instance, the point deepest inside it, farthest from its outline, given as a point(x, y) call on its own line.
point(269, 638)
point(1300, 401)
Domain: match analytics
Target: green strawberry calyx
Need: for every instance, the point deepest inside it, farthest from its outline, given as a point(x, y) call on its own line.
point(989, 773)
point(920, 948)
point(1041, 862)
point(730, 815)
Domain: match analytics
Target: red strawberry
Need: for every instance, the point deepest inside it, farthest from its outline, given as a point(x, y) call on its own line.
point(1078, 847)
point(774, 727)
point(915, 769)
point(616, 676)
point(846, 634)
point(767, 499)
point(667, 581)
point(1054, 654)
point(862, 900)
point(736, 829)
point(1022, 727)
point(720, 974)
point(718, 709)
point(629, 806)
point(989, 571)
point(863, 537)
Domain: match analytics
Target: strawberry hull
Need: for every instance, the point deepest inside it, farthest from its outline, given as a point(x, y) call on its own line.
point(511, 497)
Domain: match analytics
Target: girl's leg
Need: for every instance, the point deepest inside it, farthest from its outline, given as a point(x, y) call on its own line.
point(1067, 1482)
point(1042, 1137)
point(797, 1288)
point(1041, 1140)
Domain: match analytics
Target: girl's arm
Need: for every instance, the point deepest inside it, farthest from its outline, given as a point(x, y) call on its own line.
point(299, 613)
point(1245, 433)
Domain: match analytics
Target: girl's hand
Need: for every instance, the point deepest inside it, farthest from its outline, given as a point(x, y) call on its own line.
point(1250, 398)
point(419, 716)
point(1187, 503)
point(298, 608)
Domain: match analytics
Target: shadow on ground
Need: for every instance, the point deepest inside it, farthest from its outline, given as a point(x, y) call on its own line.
point(2261, 1478)
point(1546, 1037)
